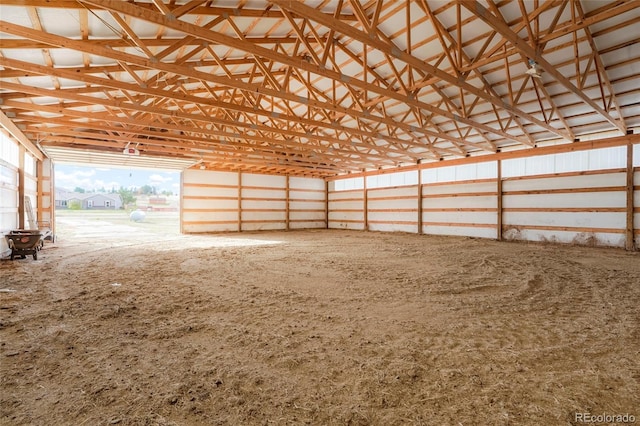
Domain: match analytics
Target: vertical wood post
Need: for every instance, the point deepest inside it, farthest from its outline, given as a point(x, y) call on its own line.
point(39, 191)
point(365, 208)
point(52, 198)
point(21, 208)
point(629, 234)
point(326, 204)
point(286, 206)
point(181, 200)
point(239, 201)
point(499, 199)
point(419, 200)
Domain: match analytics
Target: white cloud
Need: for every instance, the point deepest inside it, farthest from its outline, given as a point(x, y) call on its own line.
point(158, 179)
point(82, 179)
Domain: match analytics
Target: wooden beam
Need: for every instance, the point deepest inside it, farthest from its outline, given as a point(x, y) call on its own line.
point(499, 208)
point(420, 206)
point(326, 204)
point(205, 10)
point(243, 86)
point(345, 144)
point(21, 193)
point(20, 137)
point(182, 211)
point(348, 30)
point(239, 201)
point(287, 208)
point(629, 234)
point(306, 11)
point(531, 52)
point(130, 87)
point(365, 203)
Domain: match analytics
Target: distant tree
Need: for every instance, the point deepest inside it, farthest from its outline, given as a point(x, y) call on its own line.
point(79, 190)
point(74, 204)
point(127, 196)
point(148, 190)
point(167, 193)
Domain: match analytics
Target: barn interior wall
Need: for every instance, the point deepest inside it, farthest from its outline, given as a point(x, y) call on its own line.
point(9, 162)
point(215, 201)
point(579, 197)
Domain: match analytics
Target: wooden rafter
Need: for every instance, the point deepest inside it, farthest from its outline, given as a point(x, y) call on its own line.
point(324, 87)
point(500, 26)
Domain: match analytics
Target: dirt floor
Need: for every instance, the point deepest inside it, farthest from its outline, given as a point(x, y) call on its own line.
point(133, 324)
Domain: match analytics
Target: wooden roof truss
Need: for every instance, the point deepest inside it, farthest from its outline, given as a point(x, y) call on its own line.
point(318, 88)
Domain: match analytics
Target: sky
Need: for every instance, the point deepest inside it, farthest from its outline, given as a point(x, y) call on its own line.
point(95, 178)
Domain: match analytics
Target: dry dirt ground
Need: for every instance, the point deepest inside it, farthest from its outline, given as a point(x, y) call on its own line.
point(117, 324)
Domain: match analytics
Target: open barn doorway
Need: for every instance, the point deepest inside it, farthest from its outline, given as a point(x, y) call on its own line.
point(99, 204)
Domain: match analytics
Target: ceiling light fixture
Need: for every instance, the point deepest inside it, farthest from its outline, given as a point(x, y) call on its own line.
point(533, 70)
point(129, 150)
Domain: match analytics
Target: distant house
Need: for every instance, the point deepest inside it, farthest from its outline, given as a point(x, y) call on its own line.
point(88, 201)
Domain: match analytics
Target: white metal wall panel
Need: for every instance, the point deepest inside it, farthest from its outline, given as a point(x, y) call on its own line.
point(569, 237)
point(460, 231)
point(258, 205)
point(393, 209)
point(8, 202)
point(567, 209)
point(565, 182)
point(346, 209)
point(459, 202)
point(393, 179)
point(307, 183)
point(636, 203)
point(610, 199)
point(264, 202)
point(461, 208)
point(263, 193)
point(463, 217)
point(346, 184)
point(482, 170)
point(307, 206)
point(606, 220)
point(572, 162)
point(209, 201)
point(596, 159)
point(219, 191)
point(224, 201)
point(263, 180)
point(460, 188)
point(210, 177)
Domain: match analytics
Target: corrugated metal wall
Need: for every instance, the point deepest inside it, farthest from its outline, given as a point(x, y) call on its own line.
point(229, 201)
point(465, 208)
point(346, 208)
point(9, 161)
point(576, 197)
